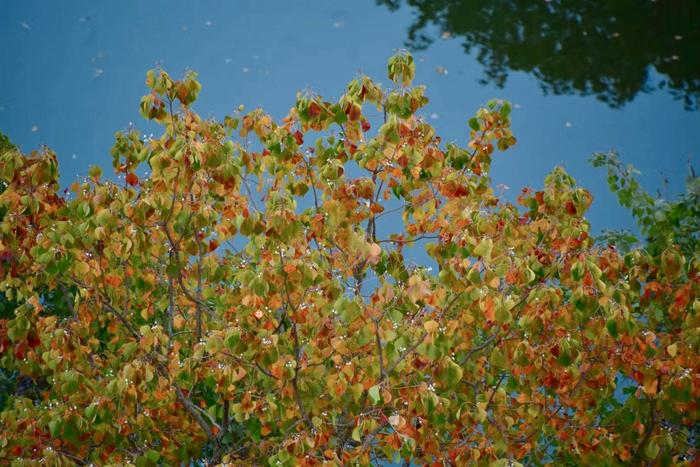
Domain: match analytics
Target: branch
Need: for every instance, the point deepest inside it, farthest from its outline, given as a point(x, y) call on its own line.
point(194, 412)
point(69, 304)
point(198, 306)
point(72, 457)
point(476, 349)
point(225, 422)
point(379, 351)
point(422, 338)
point(295, 384)
point(180, 282)
point(297, 350)
point(650, 430)
point(121, 317)
point(171, 309)
point(422, 237)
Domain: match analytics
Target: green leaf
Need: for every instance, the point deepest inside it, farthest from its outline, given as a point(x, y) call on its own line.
point(374, 393)
point(129, 349)
point(451, 373)
point(54, 427)
point(474, 276)
point(474, 124)
point(95, 171)
point(153, 455)
point(651, 450)
point(90, 412)
point(483, 249)
point(611, 326)
point(498, 360)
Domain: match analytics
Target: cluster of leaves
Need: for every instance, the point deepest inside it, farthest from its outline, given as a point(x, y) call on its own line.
point(663, 222)
point(257, 303)
point(54, 300)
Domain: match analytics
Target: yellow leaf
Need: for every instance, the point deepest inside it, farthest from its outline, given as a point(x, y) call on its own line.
point(178, 322)
point(431, 326)
point(417, 288)
point(82, 267)
point(483, 249)
point(476, 454)
point(651, 386)
point(672, 350)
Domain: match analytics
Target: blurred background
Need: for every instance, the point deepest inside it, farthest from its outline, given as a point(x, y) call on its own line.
point(583, 76)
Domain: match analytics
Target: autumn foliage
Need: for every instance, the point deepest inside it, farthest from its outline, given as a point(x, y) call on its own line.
point(246, 291)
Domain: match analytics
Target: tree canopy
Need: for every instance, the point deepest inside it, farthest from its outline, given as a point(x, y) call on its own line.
point(246, 291)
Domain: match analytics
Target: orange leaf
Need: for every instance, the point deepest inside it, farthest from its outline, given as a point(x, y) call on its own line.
point(489, 308)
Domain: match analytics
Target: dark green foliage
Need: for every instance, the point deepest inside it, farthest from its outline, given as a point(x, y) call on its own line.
point(662, 222)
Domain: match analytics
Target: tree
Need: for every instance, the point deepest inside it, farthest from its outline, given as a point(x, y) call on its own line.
point(53, 301)
point(258, 303)
point(573, 47)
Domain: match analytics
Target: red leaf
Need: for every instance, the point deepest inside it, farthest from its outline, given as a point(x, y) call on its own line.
point(353, 111)
point(363, 92)
point(20, 351)
point(365, 125)
point(570, 207)
point(299, 137)
point(314, 110)
point(132, 179)
point(554, 350)
point(33, 340)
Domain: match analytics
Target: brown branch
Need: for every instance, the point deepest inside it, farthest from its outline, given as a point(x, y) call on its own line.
point(295, 379)
point(193, 411)
point(297, 350)
point(493, 339)
point(110, 307)
point(121, 317)
point(198, 306)
point(476, 349)
point(65, 291)
point(379, 350)
point(180, 281)
point(650, 430)
point(411, 240)
point(225, 422)
point(422, 338)
point(243, 362)
point(171, 308)
point(72, 457)
point(264, 371)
